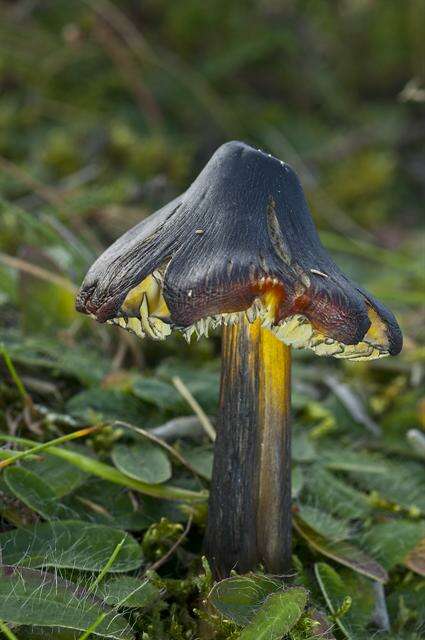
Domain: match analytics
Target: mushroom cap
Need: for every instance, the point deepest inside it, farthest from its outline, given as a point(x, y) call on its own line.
point(240, 242)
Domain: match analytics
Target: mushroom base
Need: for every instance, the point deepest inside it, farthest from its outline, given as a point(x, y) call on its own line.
point(249, 518)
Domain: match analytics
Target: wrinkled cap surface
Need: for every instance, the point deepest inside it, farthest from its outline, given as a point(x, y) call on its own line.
point(240, 243)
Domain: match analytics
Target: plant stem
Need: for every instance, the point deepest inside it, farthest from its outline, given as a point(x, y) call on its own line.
point(107, 472)
point(8, 633)
point(47, 445)
point(249, 520)
point(107, 566)
point(195, 406)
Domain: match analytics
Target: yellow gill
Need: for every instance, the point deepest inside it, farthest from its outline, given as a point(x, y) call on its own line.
point(151, 289)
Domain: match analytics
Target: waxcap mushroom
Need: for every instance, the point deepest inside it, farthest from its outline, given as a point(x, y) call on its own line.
point(239, 243)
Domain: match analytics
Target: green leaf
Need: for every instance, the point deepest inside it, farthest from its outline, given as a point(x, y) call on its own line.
point(342, 552)
point(106, 503)
point(34, 492)
point(142, 461)
point(277, 616)
point(391, 542)
point(129, 592)
point(71, 545)
point(43, 633)
point(358, 462)
point(29, 597)
point(402, 483)
point(337, 588)
point(323, 523)
point(200, 457)
point(334, 495)
point(158, 393)
point(61, 476)
point(239, 597)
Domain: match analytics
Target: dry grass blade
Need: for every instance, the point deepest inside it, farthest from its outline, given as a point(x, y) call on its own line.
point(37, 272)
point(194, 404)
point(46, 445)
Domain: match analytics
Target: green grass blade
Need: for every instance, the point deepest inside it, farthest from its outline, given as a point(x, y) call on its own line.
point(7, 632)
point(13, 373)
point(46, 445)
point(107, 566)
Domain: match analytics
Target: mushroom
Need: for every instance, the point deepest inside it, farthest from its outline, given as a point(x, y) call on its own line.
point(239, 249)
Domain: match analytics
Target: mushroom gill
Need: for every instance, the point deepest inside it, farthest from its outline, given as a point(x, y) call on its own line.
point(144, 312)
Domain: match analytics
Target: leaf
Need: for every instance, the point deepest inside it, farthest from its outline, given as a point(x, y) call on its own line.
point(278, 615)
point(106, 404)
point(158, 393)
point(71, 545)
point(43, 633)
point(337, 588)
point(402, 483)
point(334, 495)
point(142, 461)
point(200, 458)
point(106, 503)
point(61, 476)
point(129, 592)
point(323, 523)
point(34, 492)
point(357, 462)
point(391, 542)
point(342, 552)
point(29, 597)
point(239, 597)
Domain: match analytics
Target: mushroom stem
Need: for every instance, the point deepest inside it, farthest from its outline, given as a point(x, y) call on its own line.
point(249, 521)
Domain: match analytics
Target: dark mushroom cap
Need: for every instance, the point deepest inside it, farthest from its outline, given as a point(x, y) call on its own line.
point(239, 242)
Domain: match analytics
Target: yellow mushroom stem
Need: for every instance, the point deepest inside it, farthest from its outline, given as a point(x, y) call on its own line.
point(249, 521)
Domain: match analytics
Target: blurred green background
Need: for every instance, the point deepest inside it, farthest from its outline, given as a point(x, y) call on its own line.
point(110, 109)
